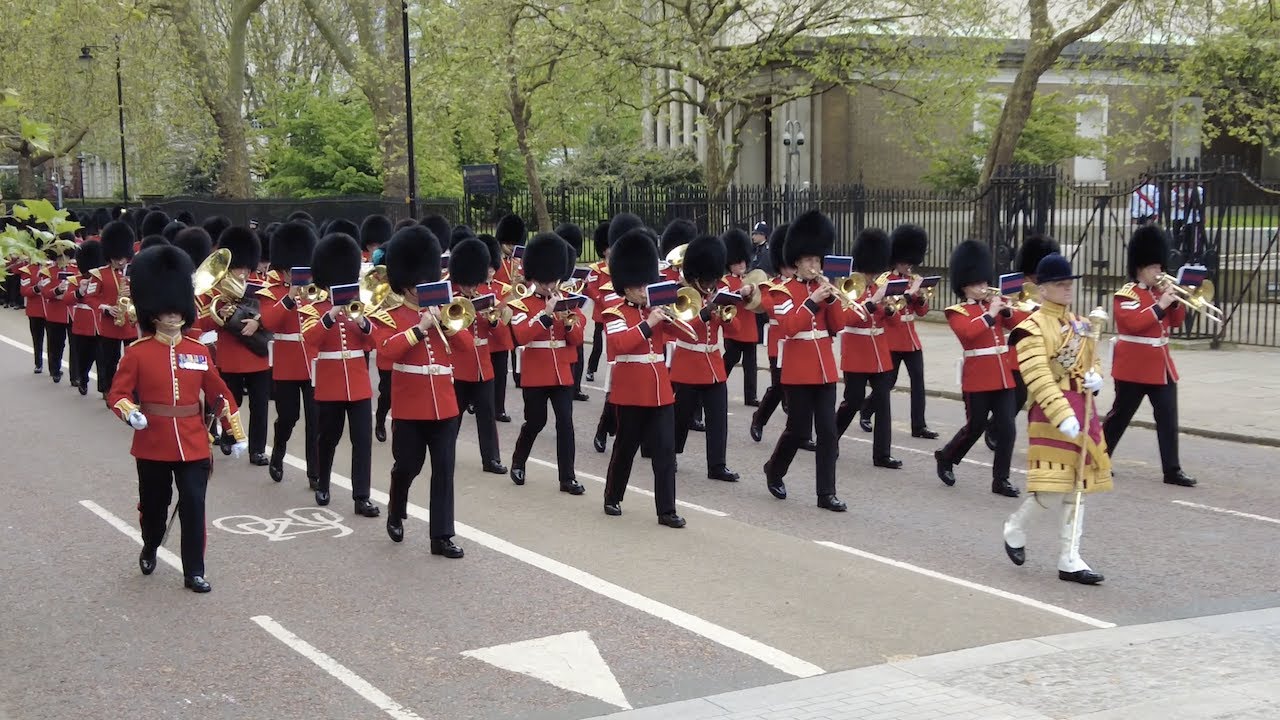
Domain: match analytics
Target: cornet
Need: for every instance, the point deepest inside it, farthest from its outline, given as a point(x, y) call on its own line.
point(992, 293)
point(312, 293)
point(1199, 298)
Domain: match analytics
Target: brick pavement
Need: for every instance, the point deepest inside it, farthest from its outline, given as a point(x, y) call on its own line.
point(1222, 667)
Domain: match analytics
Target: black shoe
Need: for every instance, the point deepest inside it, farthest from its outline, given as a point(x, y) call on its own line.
point(225, 442)
point(581, 396)
point(322, 497)
point(197, 584)
point(757, 432)
point(445, 547)
point(380, 432)
point(890, 462)
point(259, 459)
point(865, 424)
point(395, 528)
point(312, 483)
point(671, 520)
point(471, 409)
point(1002, 487)
point(517, 474)
point(365, 507)
point(945, 473)
point(698, 426)
point(503, 417)
point(573, 487)
point(777, 488)
point(613, 509)
point(275, 468)
point(496, 467)
point(831, 502)
point(924, 433)
point(990, 441)
point(1017, 555)
point(589, 376)
point(147, 560)
point(722, 473)
point(751, 402)
point(600, 442)
point(1179, 478)
point(811, 445)
point(1084, 577)
point(84, 389)
point(39, 370)
point(57, 377)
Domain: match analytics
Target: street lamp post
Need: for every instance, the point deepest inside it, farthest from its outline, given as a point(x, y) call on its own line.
point(408, 113)
point(792, 139)
point(87, 57)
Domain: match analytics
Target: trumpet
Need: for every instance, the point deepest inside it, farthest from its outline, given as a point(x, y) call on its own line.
point(1199, 299)
point(992, 293)
point(313, 293)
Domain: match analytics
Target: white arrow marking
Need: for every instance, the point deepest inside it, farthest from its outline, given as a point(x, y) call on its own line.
point(570, 661)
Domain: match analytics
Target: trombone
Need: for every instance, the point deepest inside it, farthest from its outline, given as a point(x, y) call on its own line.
point(1199, 298)
point(686, 307)
point(1028, 298)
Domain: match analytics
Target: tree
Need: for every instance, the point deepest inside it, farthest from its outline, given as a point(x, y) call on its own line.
point(321, 145)
point(1235, 69)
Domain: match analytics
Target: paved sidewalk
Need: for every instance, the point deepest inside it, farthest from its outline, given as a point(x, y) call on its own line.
point(1223, 667)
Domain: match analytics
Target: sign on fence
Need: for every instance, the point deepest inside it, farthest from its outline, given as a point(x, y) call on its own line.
point(480, 179)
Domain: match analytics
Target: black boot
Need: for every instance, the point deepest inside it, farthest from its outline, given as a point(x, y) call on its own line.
point(945, 473)
point(275, 468)
point(1001, 486)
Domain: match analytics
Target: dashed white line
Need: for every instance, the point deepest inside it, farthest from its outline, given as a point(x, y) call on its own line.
point(1226, 511)
point(164, 555)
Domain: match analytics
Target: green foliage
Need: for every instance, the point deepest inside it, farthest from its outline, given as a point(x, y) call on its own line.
point(609, 159)
point(1235, 69)
point(1048, 138)
point(321, 145)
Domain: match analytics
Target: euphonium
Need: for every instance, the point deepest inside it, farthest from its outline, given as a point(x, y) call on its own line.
point(211, 272)
point(727, 313)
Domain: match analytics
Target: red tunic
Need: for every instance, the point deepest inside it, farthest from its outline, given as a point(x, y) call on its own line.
point(542, 362)
point(84, 318)
point(639, 375)
point(233, 355)
point(105, 295)
point(57, 307)
point(988, 360)
point(697, 360)
point(806, 356)
point(901, 326)
point(421, 374)
point(772, 294)
point(864, 348)
point(500, 339)
point(600, 289)
point(29, 285)
point(339, 368)
point(290, 357)
point(1142, 336)
point(743, 328)
point(508, 269)
point(476, 364)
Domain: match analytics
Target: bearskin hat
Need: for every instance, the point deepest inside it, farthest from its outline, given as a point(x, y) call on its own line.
point(704, 260)
point(344, 226)
point(117, 211)
point(300, 215)
point(810, 234)
point(678, 232)
point(89, 256)
point(151, 241)
point(324, 229)
point(572, 234)
point(600, 238)
point(412, 258)
point(910, 243)
point(633, 259)
point(970, 263)
point(292, 245)
point(136, 219)
point(621, 224)
point(1148, 245)
point(570, 260)
point(172, 229)
point(469, 262)
point(871, 250)
point(439, 227)
point(495, 250)
point(545, 258)
point(737, 247)
point(375, 230)
point(778, 246)
point(101, 217)
point(460, 233)
point(214, 225)
point(186, 218)
point(1033, 250)
point(403, 223)
point(246, 249)
point(117, 240)
point(336, 261)
point(195, 242)
point(160, 282)
point(511, 230)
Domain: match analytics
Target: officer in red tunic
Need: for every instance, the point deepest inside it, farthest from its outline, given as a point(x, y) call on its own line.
point(84, 319)
point(620, 225)
point(116, 322)
point(1142, 365)
point(424, 409)
point(698, 377)
point(980, 322)
point(340, 345)
point(473, 370)
point(599, 289)
point(500, 342)
point(546, 377)
point(157, 391)
point(742, 334)
point(292, 245)
point(806, 321)
point(864, 349)
point(640, 388)
point(59, 297)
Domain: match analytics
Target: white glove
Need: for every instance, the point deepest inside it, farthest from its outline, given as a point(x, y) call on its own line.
point(137, 420)
point(1069, 427)
point(239, 448)
point(1092, 381)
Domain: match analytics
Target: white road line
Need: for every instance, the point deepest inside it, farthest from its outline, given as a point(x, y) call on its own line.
point(724, 636)
point(168, 557)
point(1023, 599)
point(339, 671)
point(917, 451)
point(631, 489)
point(1225, 511)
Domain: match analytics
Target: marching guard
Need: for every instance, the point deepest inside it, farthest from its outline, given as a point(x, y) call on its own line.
point(84, 319)
point(157, 390)
point(109, 294)
point(1067, 452)
point(500, 341)
point(55, 288)
point(742, 333)
point(619, 225)
point(29, 281)
point(600, 290)
point(473, 369)
point(572, 236)
point(510, 233)
point(375, 231)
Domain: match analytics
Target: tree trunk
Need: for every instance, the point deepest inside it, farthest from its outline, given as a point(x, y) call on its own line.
point(393, 146)
point(26, 174)
point(520, 119)
point(714, 165)
point(233, 173)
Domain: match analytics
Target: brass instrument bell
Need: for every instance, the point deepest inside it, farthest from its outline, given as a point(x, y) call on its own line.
point(755, 277)
point(675, 258)
point(1199, 298)
point(212, 271)
point(458, 315)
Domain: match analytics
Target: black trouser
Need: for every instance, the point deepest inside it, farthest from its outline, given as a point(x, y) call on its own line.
point(411, 440)
point(856, 399)
point(294, 398)
point(108, 353)
point(85, 351)
point(809, 406)
point(999, 405)
point(714, 399)
point(155, 489)
point(535, 418)
point(608, 424)
point(733, 351)
point(13, 290)
point(56, 334)
point(773, 395)
point(914, 360)
point(330, 417)
point(515, 367)
point(480, 396)
point(576, 368)
point(384, 397)
point(1164, 406)
point(37, 325)
point(257, 385)
point(652, 426)
point(597, 349)
point(500, 361)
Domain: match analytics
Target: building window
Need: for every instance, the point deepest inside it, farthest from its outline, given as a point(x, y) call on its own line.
point(1091, 122)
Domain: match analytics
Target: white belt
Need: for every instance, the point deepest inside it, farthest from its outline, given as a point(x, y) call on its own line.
point(993, 350)
point(649, 359)
point(862, 331)
point(481, 342)
point(423, 369)
point(908, 317)
point(291, 337)
point(82, 306)
point(545, 344)
point(339, 355)
point(808, 335)
point(1152, 341)
point(696, 347)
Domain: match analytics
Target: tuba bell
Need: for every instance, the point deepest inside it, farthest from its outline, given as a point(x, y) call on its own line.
point(675, 258)
point(212, 271)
